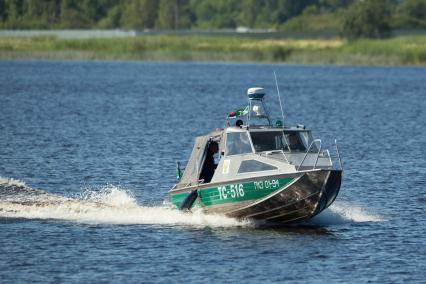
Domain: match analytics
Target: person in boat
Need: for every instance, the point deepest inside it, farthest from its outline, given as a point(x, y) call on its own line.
point(209, 164)
point(293, 143)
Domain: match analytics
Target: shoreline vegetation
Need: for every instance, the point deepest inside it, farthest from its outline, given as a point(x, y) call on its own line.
point(399, 50)
point(347, 32)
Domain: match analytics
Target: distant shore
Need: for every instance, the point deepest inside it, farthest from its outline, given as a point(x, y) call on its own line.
point(400, 50)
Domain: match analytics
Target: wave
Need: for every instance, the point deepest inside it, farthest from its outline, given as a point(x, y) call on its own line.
point(108, 205)
point(341, 212)
point(113, 205)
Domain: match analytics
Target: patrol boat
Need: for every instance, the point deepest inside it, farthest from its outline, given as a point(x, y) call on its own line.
point(266, 171)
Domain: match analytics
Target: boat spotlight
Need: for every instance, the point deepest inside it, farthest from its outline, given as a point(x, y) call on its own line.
point(256, 109)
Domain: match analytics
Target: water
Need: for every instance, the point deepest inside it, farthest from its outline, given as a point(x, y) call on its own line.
point(88, 153)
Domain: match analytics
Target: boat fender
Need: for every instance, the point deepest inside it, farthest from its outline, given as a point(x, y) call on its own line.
point(189, 200)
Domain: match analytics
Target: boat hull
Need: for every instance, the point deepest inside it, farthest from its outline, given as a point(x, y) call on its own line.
point(284, 198)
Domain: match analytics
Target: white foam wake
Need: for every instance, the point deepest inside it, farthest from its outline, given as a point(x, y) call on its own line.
point(110, 205)
point(341, 212)
point(10, 181)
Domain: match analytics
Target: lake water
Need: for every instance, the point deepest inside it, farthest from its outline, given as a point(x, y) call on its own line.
point(88, 152)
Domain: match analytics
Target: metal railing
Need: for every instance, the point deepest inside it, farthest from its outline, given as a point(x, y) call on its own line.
point(323, 153)
point(338, 154)
point(307, 152)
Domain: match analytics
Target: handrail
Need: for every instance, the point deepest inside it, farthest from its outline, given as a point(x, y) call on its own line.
point(338, 154)
point(306, 154)
point(319, 151)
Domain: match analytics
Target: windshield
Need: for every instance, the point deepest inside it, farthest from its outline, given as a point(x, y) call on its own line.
point(238, 143)
point(268, 141)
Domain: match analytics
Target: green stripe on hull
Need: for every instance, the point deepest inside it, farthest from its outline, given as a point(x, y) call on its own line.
point(235, 192)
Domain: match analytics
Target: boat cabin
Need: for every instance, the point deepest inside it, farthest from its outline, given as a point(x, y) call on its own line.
point(250, 147)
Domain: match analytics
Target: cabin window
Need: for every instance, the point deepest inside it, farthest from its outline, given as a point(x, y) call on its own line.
point(254, 166)
point(299, 140)
point(267, 141)
point(238, 143)
point(306, 139)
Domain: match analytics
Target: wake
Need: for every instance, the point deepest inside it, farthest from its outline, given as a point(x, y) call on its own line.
point(113, 205)
point(110, 205)
point(341, 212)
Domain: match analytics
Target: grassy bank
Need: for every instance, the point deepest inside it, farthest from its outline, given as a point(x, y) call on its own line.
point(402, 50)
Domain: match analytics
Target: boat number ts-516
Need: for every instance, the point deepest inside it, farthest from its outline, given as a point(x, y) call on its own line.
point(234, 191)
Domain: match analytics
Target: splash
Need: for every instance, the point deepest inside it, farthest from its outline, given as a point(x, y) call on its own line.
point(113, 205)
point(344, 212)
point(108, 205)
point(11, 182)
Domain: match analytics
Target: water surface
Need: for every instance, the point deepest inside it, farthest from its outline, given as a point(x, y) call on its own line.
point(88, 153)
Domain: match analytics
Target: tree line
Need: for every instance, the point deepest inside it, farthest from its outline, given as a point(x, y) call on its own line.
point(370, 18)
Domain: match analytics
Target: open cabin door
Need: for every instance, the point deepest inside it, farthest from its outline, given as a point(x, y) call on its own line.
point(195, 162)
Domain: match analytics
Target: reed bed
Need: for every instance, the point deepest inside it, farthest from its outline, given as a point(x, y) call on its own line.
point(401, 50)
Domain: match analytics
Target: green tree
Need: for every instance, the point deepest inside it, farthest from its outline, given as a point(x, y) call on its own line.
point(149, 13)
point(166, 14)
point(32, 10)
point(265, 17)
point(249, 12)
point(139, 14)
point(216, 13)
point(173, 14)
point(368, 18)
point(411, 14)
point(11, 12)
point(290, 8)
point(333, 5)
point(72, 16)
point(2, 10)
point(51, 13)
point(113, 18)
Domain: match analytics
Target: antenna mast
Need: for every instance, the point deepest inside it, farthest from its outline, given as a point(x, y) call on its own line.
point(279, 96)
